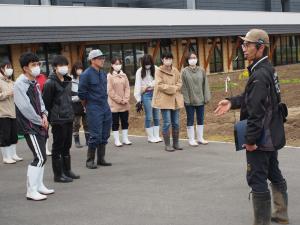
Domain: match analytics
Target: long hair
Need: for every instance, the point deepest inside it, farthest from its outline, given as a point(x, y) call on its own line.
point(147, 60)
point(113, 61)
point(76, 66)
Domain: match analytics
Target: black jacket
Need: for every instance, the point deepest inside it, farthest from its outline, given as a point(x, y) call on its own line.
point(259, 105)
point(57, 99)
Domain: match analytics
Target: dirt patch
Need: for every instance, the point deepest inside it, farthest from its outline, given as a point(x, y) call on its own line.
point(221, 128)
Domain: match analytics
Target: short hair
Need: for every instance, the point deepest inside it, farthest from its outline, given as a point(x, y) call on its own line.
point(28, 57)
point(60, 60)
point(167, 55)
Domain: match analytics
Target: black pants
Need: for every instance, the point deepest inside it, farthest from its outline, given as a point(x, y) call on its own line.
point(262, 166)
point(123, 116)
point(37, 145)
point(8, 132)
point(62, 139)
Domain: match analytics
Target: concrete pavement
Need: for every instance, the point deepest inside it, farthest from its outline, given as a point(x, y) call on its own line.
point(145, 186)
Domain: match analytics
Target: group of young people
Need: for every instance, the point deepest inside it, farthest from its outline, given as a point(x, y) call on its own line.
point(98, 101)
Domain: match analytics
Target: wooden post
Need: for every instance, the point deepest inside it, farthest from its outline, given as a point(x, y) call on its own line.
point(183, 54)
point(156, 50)
point(207, 60)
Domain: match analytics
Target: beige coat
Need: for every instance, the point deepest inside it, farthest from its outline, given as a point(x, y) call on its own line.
point(118, 92)
point(7, 105)
point(167, 89)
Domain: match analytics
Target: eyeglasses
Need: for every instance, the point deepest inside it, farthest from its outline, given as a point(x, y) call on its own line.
point(246, 44)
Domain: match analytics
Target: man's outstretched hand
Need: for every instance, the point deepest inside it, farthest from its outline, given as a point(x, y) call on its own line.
point(223, 107)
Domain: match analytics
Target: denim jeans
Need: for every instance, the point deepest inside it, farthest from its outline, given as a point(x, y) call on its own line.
point(190, 112)
point(170, 117)
point(150, 113)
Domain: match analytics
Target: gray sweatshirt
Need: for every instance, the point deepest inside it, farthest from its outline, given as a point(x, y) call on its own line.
point(195, 87)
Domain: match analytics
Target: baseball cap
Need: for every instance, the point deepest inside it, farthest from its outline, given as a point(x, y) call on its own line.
point(257, 36)
point(95, 53)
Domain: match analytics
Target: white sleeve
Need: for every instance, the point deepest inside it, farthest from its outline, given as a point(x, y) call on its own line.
point(138, 85)
point(23, 103)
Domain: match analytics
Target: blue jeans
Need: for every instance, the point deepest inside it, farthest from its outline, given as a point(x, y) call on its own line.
point(170, 117)
point(190, 112)
point(149, 111)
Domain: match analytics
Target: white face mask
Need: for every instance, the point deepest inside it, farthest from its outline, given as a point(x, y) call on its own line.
point(78, 72)
point(117, 67)
point(167, 62)
point(147, 67)
point(193, 62)
point(8, 72)
point(63, 70)
point(35, 71)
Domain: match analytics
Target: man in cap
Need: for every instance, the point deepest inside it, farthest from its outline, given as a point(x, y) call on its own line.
point(265, 132)
point(92, 91)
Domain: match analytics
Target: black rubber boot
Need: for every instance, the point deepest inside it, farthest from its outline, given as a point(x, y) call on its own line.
point(87, 137)
point(280, 203)
point(90, 162)
point(175, 136)
point(77, 141)
point(101, 156)
point(59, 176)
point(67, 168)
point(168, 147)
point(262, 208)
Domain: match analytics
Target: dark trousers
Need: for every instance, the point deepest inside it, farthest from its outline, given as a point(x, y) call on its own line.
point(62, 139)
point(190, 114)
point(8, 132)
point(37, 145)
point(77, 124)
point(261, 166)
point(116, 117)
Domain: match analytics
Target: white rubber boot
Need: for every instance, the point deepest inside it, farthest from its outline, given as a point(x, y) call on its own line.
point(13, 152)
point(33, 175)
point(117, 139)
point(125, 138)
point(156, 134)
point(191, 136)
point(6, 155)
point(41, 187)
point(48, 153)
point(200, 139)
point(149, 132)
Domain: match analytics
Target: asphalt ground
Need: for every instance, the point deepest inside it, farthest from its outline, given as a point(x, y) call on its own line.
point(145, 186)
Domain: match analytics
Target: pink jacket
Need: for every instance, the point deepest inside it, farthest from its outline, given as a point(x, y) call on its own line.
point(118, 92)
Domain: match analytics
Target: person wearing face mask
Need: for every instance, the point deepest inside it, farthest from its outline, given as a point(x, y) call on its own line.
point(168, 98)
point(143, 92)
point(118, 90)
point(196, 94)
point(8, 124)
point(79, 111)
point(58, 102)
point(32, 122)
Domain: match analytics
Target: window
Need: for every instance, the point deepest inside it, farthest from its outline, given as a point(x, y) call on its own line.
point(78, 4)
point(46, 53)
point(4, 53)
point(130, 53)
point(216, 60)
point(287, 50)
point(45, 2)
point(238, 56)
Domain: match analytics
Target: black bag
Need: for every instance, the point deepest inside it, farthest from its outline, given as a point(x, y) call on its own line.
point(139, 106)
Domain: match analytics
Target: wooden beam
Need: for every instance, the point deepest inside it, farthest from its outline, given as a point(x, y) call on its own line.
point(183, 53)
point(81, 51)
point(273, 47)
point(177, 52)
point(207, 60)
point(233, 50)
point(157, 47)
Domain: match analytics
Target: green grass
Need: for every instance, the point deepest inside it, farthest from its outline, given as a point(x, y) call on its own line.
point(289, 81)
